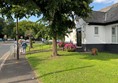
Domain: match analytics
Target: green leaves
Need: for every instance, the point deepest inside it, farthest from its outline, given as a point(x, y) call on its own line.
point(18, 8)
point(8, 28)
point(59, 14)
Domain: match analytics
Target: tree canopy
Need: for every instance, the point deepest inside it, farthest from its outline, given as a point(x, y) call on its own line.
point(59, 14)
point(9, 28)
point(18, 8)
point(2, 25)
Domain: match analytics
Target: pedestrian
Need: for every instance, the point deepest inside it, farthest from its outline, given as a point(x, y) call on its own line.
point(24, 46)
point(5, 38)
point(20, 41)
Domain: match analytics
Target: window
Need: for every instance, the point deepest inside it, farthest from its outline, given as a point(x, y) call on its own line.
point(113, 31)
point(96, 30)
point(114, 34)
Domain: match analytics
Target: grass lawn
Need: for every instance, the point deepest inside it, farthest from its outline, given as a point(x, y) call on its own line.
point(74, 67)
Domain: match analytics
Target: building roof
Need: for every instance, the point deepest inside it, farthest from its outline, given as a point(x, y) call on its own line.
point(96, 17)
point(105, 15)
point(108, 8)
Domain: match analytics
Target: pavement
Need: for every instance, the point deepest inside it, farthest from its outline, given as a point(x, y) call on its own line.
point(17, 71)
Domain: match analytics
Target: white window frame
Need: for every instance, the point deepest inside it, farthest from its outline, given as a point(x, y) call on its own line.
point(96, 31)
point(115, 35)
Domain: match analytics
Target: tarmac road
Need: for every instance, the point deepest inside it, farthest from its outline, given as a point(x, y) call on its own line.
point(4, 48)
point(4, 53)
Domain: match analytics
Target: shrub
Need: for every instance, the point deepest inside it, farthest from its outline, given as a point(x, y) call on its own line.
point(61, 44)
point(70, 47)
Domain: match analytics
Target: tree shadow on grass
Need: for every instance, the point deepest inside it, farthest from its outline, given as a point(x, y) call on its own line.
point(50, 73)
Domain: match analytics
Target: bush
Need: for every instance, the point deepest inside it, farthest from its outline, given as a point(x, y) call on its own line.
point(61, 44)
point(70, 47)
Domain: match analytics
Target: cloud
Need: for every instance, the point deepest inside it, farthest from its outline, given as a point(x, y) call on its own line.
point(105, 1)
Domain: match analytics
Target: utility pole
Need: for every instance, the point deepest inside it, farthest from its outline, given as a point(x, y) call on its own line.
point(17, 38)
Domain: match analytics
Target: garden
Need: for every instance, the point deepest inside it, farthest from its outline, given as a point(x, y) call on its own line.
point(72, 67)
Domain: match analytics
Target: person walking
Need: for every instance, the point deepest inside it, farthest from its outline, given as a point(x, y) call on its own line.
point(20, 41)
point(24, 46)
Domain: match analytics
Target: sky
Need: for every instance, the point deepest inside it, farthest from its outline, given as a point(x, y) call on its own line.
point(96, 4)
point(99, 4)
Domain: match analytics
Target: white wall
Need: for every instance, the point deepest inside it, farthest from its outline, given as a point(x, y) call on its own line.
point(88, 37)
point(79, 23)
point(71, 37)
point(92, 38)
point(104, 37)
point(108, 33)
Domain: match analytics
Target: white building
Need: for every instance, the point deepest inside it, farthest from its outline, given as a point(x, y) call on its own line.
point(100, 30)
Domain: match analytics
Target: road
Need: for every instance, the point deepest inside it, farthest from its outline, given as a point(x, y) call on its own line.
point(13, 70)
point(4, 48)
point(4, 53)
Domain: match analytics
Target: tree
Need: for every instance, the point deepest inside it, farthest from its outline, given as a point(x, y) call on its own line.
point(2, 25)
point(25, 25)
point(17, 9)
point(58, 13)
point(29, 33)
point(27, 30)
point(42, 31)
point(9, 28)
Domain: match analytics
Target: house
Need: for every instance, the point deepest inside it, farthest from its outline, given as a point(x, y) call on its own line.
point(100, 31)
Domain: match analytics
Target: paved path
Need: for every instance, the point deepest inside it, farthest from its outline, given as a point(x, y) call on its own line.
point(17, 71)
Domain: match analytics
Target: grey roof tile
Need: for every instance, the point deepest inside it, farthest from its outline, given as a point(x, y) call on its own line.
point(110, 15)
point(96, 17)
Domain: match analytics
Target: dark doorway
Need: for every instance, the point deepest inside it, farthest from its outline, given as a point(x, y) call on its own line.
point(79, 43)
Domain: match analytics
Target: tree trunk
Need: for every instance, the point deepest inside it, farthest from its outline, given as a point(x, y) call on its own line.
point(17, 39)
point(30, 41)
point(54, 48)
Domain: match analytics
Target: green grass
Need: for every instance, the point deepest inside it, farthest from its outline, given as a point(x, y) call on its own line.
point(39, 48)
point(75, 67)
